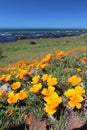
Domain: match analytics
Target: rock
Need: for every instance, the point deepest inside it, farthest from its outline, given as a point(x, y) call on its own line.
point(74, 123)
point(21, 37)
point(5, 87)
point(36, 124)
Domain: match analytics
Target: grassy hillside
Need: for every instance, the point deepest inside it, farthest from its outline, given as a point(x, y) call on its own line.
point(23, 50)
point(52, 90)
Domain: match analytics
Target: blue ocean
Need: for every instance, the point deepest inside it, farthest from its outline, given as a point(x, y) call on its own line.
point(12, 35)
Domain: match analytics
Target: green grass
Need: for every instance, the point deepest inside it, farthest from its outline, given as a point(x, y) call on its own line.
point(62, 68)
point(23, 50)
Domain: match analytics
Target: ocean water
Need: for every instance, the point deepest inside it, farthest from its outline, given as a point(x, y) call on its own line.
point(12, 35)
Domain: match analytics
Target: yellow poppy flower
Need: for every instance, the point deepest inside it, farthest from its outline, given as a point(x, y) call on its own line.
point(69, 92)
point(22, 95)
point(76, 98)
point(47, 58)
point(35, 79)
point(50, 110)
point(36, 88)
point(26, 116)
point(74, 80)
point(75, 101)
point(45, 77)
point(23, 74)
point(8, 77)
point(2, 93)
point(1, 69)
point(49, 91)
point(61, 53)
point(52, 81)
point(2, 77)
point(54, 100)
point(16, 85)
point(79, 70)
point(12, 98)
point(43, 66)
point(79, 90)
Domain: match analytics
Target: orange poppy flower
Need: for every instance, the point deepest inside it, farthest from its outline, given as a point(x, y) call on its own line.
point(2, 77)
point(45, 77)
point(8, 77)
point(75, 101)
point(49, 109)
point(52, 81)
point(49, 91)
point(36, 88)
point(74, 80)
point(2, 93)
point(22, 95)
point(23, 74)
point(79, 90)
point(35, 79)
point(16, 85)
point(12, 98)
point(54, 100)
point(79, 70)
point(26, 116)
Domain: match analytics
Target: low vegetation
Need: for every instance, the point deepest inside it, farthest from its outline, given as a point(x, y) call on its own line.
point(52, 87)
point(24, 50)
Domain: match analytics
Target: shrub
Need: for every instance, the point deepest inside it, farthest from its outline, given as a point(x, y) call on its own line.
point(32, 42)
point(67, 41)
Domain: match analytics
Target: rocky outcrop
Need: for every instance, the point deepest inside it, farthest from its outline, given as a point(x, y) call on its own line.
point(21, 37)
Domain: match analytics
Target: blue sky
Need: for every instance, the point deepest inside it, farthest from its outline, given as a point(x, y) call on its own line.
point(43, 14)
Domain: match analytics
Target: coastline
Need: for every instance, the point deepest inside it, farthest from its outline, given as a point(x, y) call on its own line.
point(13, 35)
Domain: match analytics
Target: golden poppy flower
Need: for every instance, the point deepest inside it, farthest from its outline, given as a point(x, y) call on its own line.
point(49, 91)
point(47, 58)
point(69, 92)
point(75, 101)
point(22, 95)
point(79, 90)
point(45, 77)
point(79, 70)
point(17, 75)
point(2, 93)
point(12, 98)
point(54, 100)
point(78, 105)
point(43, 66)
point(36, 88)
point(26, 116)
point(1, 69)
point(52, 81)
point(23, 74)
point(49, 109)
point(61, 53)
point(74, 80)
point(35, 79)
point(16, 85)
point(8, 77)
point(83, 59)
point(2, 77)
